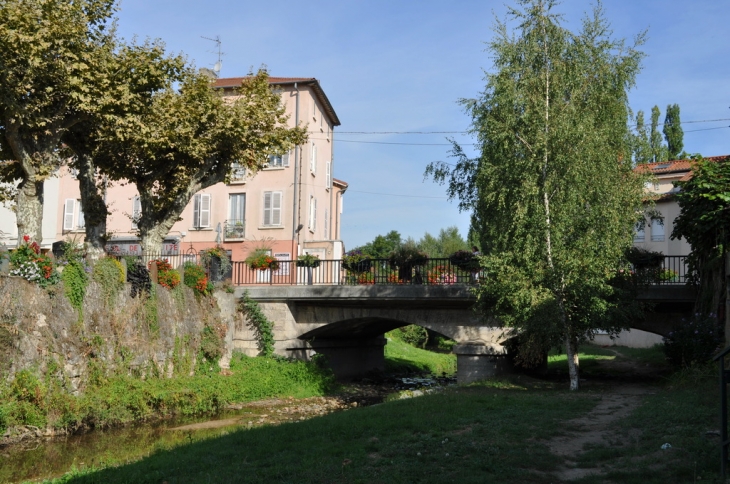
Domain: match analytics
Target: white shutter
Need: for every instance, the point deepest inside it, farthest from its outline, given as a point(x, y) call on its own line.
point(204, 220)
point(285, 159)
point(315, 214)
point(310, 223)
point(69, 207)
point(328, 176)
point(313, 160)
point(196, 211)
point(267, 208)
point(276, 208)
point(326, 225)
point(136, 211)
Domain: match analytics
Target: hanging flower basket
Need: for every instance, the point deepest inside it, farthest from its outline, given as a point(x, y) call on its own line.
point(357, 262)
point(465, 260)
point(308, 260)
point(262, 261)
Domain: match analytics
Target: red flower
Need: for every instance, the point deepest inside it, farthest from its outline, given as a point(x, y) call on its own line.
point(26, 238)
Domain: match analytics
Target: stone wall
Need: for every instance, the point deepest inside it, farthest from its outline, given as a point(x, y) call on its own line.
point(134, 336)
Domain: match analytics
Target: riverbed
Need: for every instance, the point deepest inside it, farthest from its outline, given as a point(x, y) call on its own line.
point(43, 458)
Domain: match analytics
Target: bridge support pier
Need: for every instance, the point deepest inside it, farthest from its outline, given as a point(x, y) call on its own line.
point(476, 362)
point(352, 358)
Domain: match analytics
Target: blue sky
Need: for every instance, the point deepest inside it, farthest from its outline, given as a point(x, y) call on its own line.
point(395, 66)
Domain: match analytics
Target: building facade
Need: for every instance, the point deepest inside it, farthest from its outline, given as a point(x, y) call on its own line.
point(292, 206)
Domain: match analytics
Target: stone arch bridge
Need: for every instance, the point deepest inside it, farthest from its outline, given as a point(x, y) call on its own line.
point(347, 323)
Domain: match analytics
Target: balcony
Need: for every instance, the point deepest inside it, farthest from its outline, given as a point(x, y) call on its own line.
point(234, 230)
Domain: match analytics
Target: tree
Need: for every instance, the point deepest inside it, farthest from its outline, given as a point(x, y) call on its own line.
point(704, 221)
point(50, 79)
point(188, 140)
point(448, 241)
point(658, 149)
point(642, 145)
point(673, 133)
point(135, 74)
point(382, 245)
point(553, 189)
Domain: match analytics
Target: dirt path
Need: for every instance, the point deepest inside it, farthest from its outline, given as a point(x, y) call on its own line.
point(598, 426)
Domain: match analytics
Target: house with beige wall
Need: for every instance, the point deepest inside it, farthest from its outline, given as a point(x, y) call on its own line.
point(290, 207)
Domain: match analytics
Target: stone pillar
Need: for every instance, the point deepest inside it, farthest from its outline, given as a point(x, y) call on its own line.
point(477, 361)
point(352, 358)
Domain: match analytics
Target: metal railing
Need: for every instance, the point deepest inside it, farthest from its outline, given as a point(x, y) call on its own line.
point(234, 229)
point(433, 272)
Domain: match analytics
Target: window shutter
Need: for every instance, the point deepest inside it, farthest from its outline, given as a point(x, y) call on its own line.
point(267, 208)
point(328, 176)
point(68, 214)
point(136, 211)
point(313, 161)
point(326, 224)
point(204, 220)
point(196, 211)
point(276, 208)
point(285, 159)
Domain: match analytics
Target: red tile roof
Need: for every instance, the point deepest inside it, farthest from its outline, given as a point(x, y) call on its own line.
point(675, 166)
point(231, 82)
point(343, 184)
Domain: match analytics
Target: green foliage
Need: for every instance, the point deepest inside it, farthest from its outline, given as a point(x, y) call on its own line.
point(693, 342)
point(212, 347)
point(261, 326)
point(673, 132)
point(448, 241)
point(402, 357)
point(75, 280)
point(109, 274)
point(28, 262)
point(27, 387)
point(150, 309)
point(552, 190)
point(356, 261)
point(381, 246)
point(195, 278)
point(659, 150)
point(704, 223)
point(641, 145)
point(169, 279)
point(224, 261)
point(412, 334)
point(308, 260)
point(261, 259)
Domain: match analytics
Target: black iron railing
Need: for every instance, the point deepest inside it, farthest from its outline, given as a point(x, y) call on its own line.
point(671, 271)
point(234, 229)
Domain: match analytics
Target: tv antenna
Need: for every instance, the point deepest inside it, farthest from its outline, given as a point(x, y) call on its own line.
point(217, 65)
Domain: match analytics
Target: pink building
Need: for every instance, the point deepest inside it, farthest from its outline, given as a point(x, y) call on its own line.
point(292, 206)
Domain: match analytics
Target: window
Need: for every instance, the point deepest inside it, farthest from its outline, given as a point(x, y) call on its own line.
point(313, 160)
point(136, 212)
point(73, 215)
point(201, 211)
point(639, 233)
point(238, 173)
point(321, 123)
point(278, 161)
point(236, 224)
point(272, 209)
point(326, 225)
point(328, 175)
point(657, 230)
point(329, 131)
point(314, 109)
point(312, 214)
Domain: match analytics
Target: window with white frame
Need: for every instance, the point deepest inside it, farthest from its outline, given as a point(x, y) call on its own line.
point(278, 161)
point(312, 214)
point(639, 232)
point(313, 160)
point(657, 230)
point(326, 224)
point(201, 211)
point(136, 211)
point(236, 215)
point(238, 173)
point(73, 215)
point(328, 175)
point(272, 209)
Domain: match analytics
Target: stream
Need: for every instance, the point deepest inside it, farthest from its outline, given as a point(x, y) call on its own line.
point(38, 459)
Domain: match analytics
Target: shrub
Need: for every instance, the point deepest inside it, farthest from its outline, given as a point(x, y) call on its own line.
point(109, 274)
point(693, 342)
point(169, 279)
point(28, 263)
point(75, 280)
point(139, 277)
point(261, 326)
point(412, 334)
point(195, 278)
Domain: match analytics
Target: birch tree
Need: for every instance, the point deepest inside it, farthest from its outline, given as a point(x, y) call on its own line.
point(552, 189)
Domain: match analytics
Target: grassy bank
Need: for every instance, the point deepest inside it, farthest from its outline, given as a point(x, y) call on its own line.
point(401, 357)
point(499, 431)
point(43, 401)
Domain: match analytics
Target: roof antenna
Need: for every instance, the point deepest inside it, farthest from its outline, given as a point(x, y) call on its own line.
point(217, 66)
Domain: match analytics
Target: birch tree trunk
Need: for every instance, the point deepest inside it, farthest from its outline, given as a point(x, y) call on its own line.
point(571, 351)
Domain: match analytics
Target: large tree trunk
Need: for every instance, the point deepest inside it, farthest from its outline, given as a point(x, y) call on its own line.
point(95, 209)
point(29, 210)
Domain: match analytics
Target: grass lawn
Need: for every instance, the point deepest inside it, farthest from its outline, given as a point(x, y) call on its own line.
point(497, 431)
